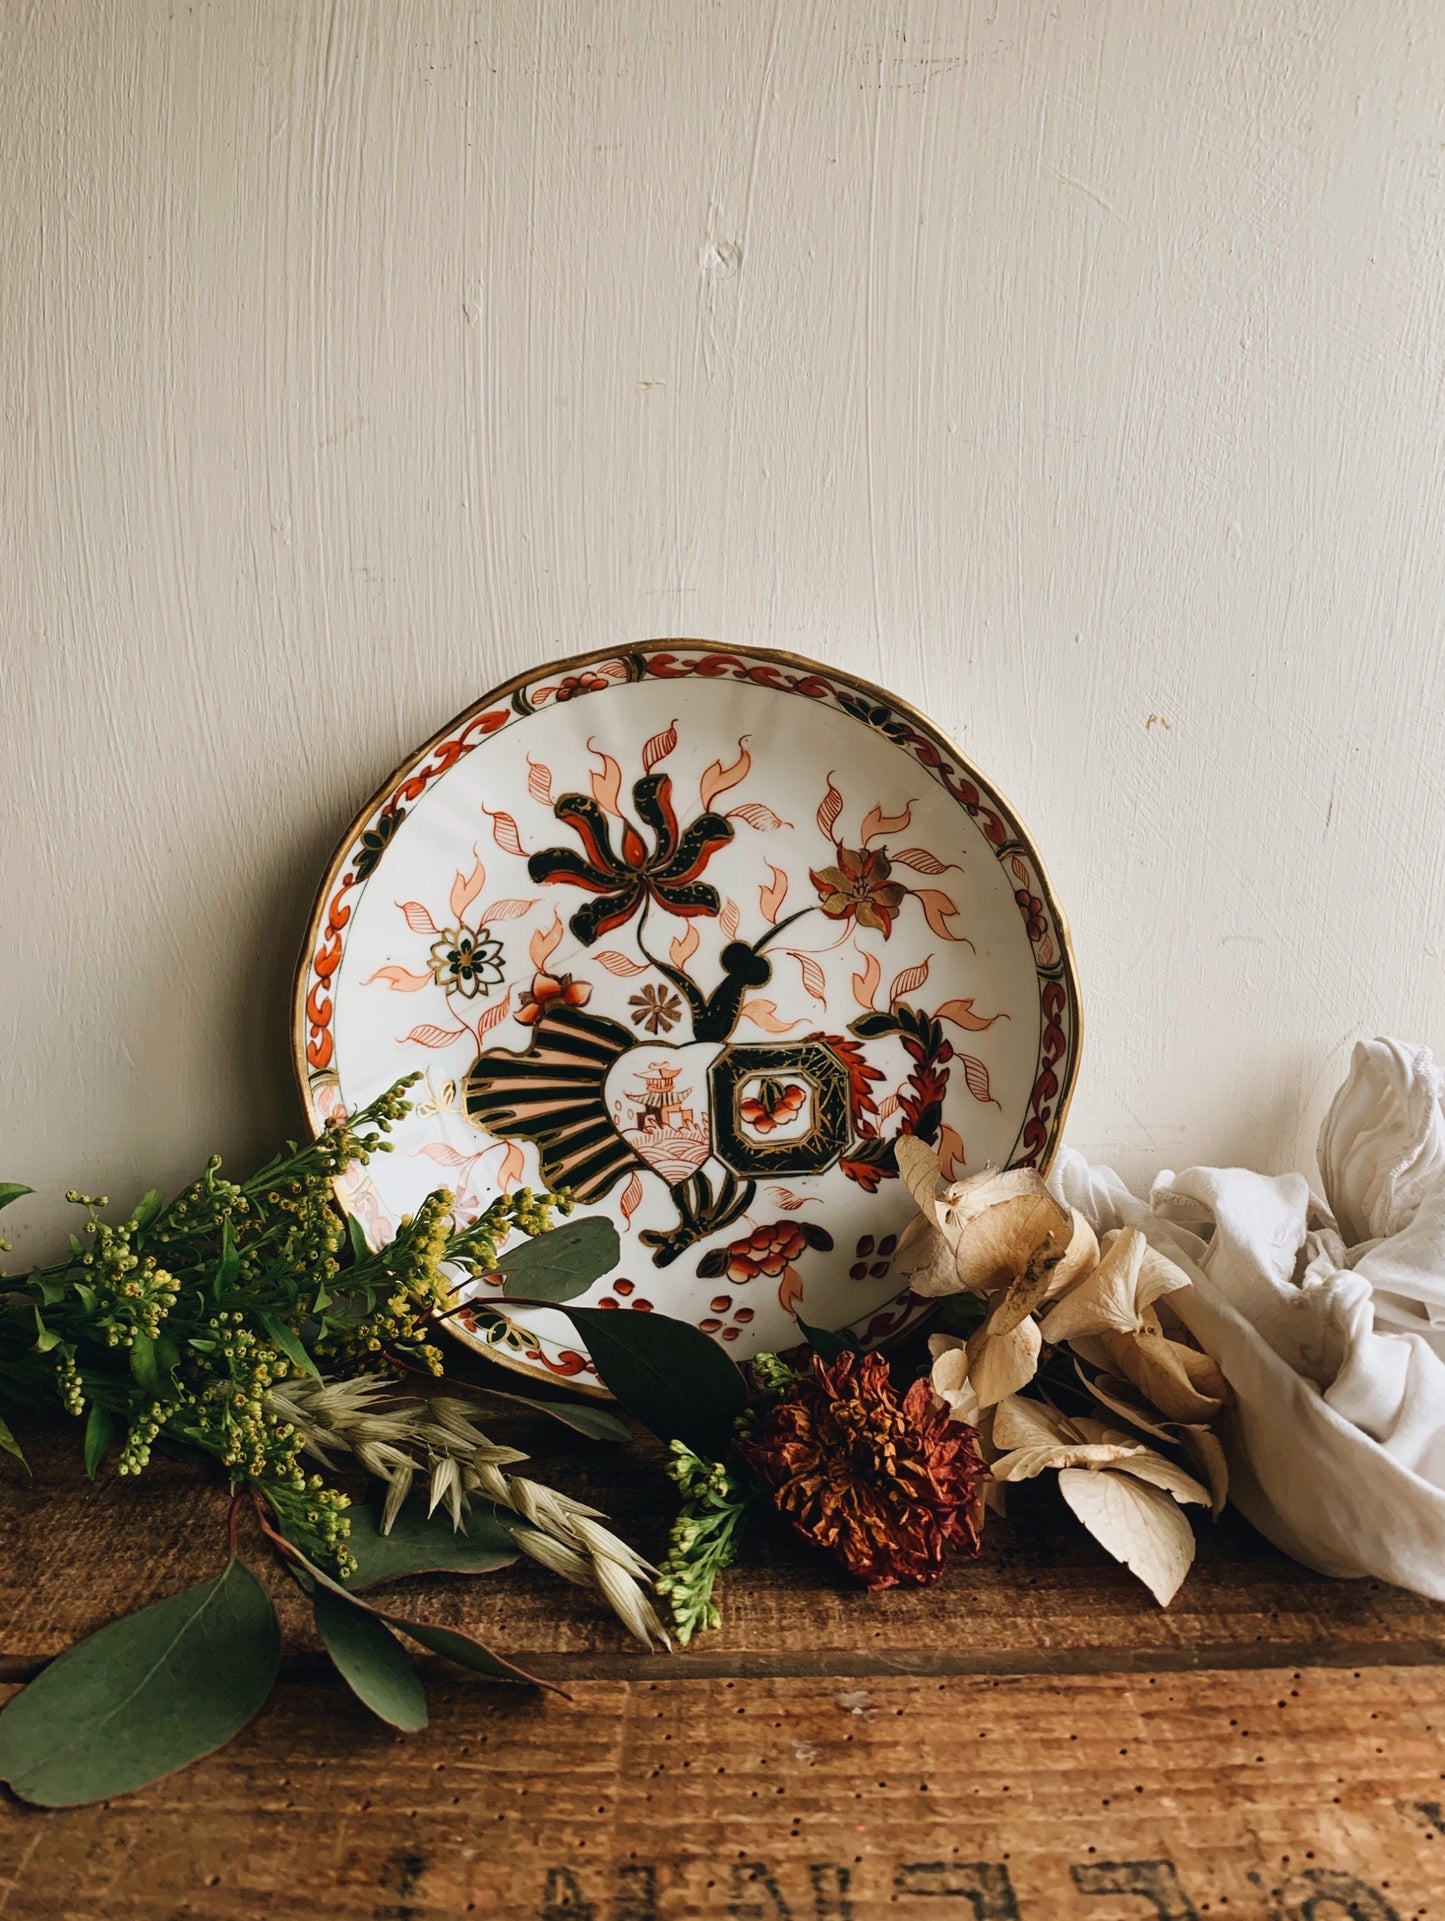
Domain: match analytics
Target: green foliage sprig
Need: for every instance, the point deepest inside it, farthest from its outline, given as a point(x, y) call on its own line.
point(206, 1322)
point(178, 1320)
point(704, 1538)
point(252, 1322)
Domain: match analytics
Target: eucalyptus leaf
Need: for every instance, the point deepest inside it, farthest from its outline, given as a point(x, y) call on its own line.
point(665, 1372)
point(582, 1416)
point(11, 1445)
point(45, 1337)
point(143, 1363)
point(370, 1659)
point(827, 1346)
point(144, 1696)
point(288, 1341)
point(99, 1433)
point(459, 1647)
point(148, 1207)
point(229, 1265)
point(421, 1545)
point(465, 1651)
point(560, 1265)
point(12, 1190)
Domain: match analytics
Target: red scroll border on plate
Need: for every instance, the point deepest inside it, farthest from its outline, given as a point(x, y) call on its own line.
point(320, 1003)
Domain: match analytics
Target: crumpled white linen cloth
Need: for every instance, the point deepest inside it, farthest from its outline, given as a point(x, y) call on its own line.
point(1327, 1316)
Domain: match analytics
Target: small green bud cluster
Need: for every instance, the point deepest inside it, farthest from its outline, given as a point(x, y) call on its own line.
point(144, 1428)
point(314, 1517)
point(68, 1384)
point(128, 1293)
point(234, 1422)
point(404, 1288)
point(703, 1540)
point(475, 1249)
point(771, 1374)
point(183, 1317)
point(200, 1211)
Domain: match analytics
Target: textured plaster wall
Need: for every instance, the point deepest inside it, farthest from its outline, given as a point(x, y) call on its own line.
point(1078, 370)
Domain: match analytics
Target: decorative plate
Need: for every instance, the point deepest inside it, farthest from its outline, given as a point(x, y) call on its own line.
point(697, 933)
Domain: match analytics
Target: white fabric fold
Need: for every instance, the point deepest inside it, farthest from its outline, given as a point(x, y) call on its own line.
point(1327, 1317)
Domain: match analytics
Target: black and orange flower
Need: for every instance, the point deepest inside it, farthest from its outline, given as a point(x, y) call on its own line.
point(773, 1106)
point(625, 879)
point(859, 888)
point(881, 719)
point(466, 963)
point(888, 1486)
point(549, 992)
point(655, 1008)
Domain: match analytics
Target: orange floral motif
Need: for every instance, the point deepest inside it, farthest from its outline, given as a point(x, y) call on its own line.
point(766, 1251)
point(549, 992)
point(859, 888)
point(769, 1253)
point(1032, 909)
point(773, 1106)
point(574, 684)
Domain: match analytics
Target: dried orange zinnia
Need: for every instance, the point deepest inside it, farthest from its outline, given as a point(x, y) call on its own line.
point(888, 1486)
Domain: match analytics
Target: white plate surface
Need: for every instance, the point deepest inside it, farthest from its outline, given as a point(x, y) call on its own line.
point(696, 931)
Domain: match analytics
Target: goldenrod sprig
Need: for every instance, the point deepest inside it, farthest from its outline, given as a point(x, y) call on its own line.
point(183, 1320)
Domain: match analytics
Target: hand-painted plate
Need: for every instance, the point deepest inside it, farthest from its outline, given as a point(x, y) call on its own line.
point(695, 932)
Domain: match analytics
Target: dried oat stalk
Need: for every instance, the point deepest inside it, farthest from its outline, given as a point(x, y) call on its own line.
point(396, 1440)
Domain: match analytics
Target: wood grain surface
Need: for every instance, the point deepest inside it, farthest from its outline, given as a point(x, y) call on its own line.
point(1260, 1794)
point(1031, 1739)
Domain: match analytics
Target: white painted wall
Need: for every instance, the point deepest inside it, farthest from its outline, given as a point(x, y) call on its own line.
point(1078, 370)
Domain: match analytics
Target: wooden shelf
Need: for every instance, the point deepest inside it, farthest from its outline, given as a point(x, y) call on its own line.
point(1034, 1737)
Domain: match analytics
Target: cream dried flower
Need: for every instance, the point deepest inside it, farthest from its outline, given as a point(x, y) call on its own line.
point(1001, 1235)
point(1126, 1494)
point(1111, 1320)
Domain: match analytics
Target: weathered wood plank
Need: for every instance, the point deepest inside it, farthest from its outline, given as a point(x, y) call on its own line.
point(1291, 1795)
point(73, 1555)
